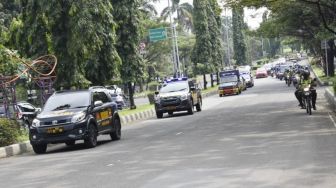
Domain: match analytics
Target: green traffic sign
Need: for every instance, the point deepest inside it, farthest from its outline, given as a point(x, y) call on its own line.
point(157, 34)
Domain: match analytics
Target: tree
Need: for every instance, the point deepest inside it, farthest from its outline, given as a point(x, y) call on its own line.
point(80, 33)
point(238, 36)
point(127, 17)
point(201, 55)
point(184, 13)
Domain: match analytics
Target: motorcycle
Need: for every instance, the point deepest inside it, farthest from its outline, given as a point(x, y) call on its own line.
point(295, 80)
point(289, 80)
point(307, 99)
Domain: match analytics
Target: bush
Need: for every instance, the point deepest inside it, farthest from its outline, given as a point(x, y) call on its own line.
point(9, 132)
point(153, 86)
point(151, 98)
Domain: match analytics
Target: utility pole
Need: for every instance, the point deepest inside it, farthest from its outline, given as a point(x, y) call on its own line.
point(176, 58)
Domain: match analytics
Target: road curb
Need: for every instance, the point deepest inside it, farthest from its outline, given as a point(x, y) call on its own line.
point(15, 149)
point(20, 148)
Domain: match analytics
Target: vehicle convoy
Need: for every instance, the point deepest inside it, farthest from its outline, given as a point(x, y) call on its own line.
point(230, 83)
point(75, 115)
point(178, 94)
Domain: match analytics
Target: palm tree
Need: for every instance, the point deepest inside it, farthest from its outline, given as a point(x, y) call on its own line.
point(148, 9)
point(183, 11)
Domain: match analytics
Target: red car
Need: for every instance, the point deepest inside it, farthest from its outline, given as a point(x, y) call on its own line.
point(261, 73)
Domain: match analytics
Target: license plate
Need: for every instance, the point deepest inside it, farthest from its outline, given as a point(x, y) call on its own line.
point(55, 130)
point(170, 107)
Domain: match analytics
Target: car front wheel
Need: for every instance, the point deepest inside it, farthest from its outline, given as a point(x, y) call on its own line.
point(91, 140)
point(159, 115)
point(39, 148)
point(116, 135)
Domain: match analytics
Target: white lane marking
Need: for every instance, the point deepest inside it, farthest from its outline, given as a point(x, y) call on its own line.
point(332, 119)
point(179, 133)
point(110, 165)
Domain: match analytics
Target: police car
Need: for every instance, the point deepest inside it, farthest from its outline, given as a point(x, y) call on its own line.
point(69, 116)
point(178, 94)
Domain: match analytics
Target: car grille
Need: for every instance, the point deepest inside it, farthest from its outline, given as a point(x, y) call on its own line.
point(168, 101)
point(59, 122)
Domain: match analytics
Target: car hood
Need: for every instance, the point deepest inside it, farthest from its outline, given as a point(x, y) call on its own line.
point(67, 113)
point(228, 84)
point(173, 94)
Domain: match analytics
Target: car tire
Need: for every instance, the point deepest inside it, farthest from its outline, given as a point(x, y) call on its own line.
point(170, 113)
point(39, 148)
point(191, 109)
point(199, 105)
point(91, 140)
point(220, 95)
point(116, 134)
point(70, 143)
point(159, 115)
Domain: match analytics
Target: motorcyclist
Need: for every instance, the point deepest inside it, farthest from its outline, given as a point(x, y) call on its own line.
point(305, 81)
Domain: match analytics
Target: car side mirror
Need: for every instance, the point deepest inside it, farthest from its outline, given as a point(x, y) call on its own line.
point(192, 88)
point(98, 103)
point(38, 110)
point(156, 92)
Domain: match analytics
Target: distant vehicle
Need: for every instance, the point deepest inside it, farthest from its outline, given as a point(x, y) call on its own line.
point(230, 83)
point(281, 71)
point(2, 112)
point(119, 99)
point(261, 73)
point(115, 89)
point(75, 115)
point(178, 94)
point(248, 78)
point(26, 113)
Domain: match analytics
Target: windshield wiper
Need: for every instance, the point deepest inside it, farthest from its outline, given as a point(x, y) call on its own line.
point(80, 107)
point(65, 106)
point(178, 90)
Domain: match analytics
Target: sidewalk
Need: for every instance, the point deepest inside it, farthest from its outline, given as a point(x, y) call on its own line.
point(20, 148)
point(329, 93)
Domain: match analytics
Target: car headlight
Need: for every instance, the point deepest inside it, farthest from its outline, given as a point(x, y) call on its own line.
point(36, 123)
point(306, 89)
point(78, 117)
point(184, 97)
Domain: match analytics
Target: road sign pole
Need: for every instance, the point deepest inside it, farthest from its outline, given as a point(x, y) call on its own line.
point(177, 53)
point(174, 43)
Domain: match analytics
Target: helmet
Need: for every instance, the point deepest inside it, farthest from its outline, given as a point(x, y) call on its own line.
point(305, 74)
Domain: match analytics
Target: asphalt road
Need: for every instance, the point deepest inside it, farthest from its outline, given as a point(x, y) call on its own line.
point(258, 139)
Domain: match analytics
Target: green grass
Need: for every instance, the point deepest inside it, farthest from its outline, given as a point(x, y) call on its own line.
point(209, 89)
point(140, 108)
point(320, 73)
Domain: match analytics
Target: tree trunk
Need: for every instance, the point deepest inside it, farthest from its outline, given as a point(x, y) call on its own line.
point(212, 80)
point(204, 81)
point(330, 58)
point(131, 93)
point(217, 78)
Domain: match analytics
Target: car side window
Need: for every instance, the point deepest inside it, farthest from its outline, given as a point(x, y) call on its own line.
point(104, 97)
point(100, 96)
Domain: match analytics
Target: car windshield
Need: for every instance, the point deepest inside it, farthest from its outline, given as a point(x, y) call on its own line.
point(246, 76)
point(228, 78)
point(63, 101)
point(173, 87)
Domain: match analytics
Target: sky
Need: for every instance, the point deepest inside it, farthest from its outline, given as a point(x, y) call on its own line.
point(252, 17)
